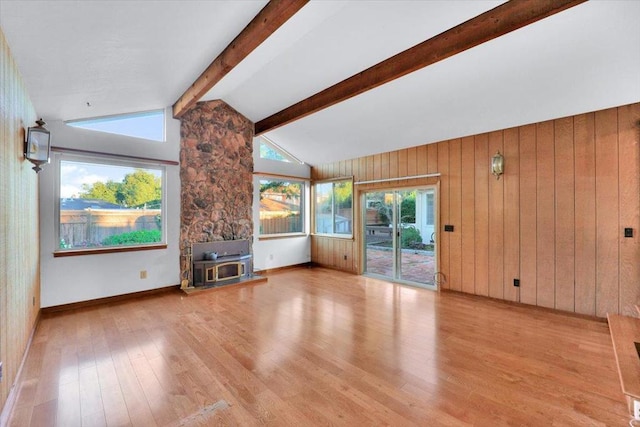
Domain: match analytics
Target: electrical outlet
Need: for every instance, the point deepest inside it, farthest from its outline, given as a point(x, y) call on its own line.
point(345, 257)
point(143, 274)
point(636, 409)
point(516, 283)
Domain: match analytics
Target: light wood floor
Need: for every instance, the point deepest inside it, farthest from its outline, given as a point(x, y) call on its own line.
point(319, 347)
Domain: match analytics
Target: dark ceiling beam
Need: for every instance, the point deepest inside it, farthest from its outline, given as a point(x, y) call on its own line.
point(265, 23)
point(494, 23)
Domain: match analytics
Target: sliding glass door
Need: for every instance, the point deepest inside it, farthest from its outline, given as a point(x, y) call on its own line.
point(399, 235)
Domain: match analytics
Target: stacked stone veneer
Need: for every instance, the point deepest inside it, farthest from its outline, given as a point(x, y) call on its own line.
point(216, 173)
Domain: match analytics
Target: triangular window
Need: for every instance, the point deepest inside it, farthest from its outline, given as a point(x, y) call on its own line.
point(146, 125)
point(270, 150)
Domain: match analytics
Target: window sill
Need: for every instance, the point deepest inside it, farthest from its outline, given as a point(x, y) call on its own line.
point(282, 236)
point(96, 251)
point(334, 236)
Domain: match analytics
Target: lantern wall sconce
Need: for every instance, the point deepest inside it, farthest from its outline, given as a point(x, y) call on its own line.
point(37, 145)
point(497, 164)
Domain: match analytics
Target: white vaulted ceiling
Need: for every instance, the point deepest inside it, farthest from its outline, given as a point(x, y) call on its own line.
point(140, 55)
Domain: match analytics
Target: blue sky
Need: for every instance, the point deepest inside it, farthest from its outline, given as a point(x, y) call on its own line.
point(74, 174)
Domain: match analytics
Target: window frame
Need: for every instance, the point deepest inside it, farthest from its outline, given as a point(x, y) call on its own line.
point(108, 160)
point(315, 208)
point(303, 207)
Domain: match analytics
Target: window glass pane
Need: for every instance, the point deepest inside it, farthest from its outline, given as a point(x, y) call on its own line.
point(281, 205)
point(147, 125)
point(105, 205)
point(334, 207)
point(343, 211)
point(324, 208)
point(268, 152)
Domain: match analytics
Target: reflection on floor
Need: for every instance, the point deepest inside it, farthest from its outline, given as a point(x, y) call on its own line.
point(417, 266)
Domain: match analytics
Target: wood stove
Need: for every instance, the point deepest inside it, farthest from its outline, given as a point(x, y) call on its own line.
point(233, 263)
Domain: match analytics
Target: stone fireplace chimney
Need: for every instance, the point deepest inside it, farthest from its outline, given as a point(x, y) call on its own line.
point(216, 173)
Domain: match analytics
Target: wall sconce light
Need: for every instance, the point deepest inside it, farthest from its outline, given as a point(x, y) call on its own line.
point(497, 164)
point(37, 146)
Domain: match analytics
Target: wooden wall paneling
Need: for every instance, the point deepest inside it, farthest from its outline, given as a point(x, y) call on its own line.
point(496, 223)
point(393, 164)
point(432, 158)
point(564, 215)
point(467, 226)
point(528, 219)
point(607, 215)
point(481, 208)
point(629, 155)
point(348, 169)
point(402, 167)
point(421, 160)
point(19, 235)
point(384, 166)
point(585, 213)
point(362, 169)
point(455, 215)
point(371, 166)
point(412, 161)
point(377, 166)
point(444, 237)
point(511, 213)
point(545, 191)
point(355, 170)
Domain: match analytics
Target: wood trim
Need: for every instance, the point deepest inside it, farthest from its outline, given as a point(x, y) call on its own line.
point(536, 308)
point(280, 176)
point(268, 271)
point(283, 236)
point(113, 156)
point(59, 254)
point(494, 23)
point(265, 23)
point(7, 409)
point(106, 300)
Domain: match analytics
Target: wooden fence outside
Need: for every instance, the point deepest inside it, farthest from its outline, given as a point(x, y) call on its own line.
point(90, 227)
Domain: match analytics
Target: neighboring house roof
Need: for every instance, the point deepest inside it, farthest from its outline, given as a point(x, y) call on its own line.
point(271, 205)
point(72, 204)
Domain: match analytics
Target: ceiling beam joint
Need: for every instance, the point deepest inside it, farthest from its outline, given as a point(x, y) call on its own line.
point(265, 23)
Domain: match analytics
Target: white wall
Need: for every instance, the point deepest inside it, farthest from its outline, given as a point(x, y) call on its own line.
point(81, 278)
point(281, 252)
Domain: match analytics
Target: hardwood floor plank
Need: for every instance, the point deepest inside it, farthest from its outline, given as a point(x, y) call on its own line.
point(319, 347)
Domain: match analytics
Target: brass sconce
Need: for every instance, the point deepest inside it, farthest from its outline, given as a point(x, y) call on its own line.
point(37, 146)
point(497, 164)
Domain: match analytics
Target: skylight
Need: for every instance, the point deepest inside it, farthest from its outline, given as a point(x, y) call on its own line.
point(146, 125)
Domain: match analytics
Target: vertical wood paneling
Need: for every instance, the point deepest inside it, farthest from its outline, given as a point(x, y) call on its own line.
point(467, 215)
point(545, 193)
point(377, 166)
point(443, 164)
point(585, 210)
point(432, 158)
point(421, 160)
point(403, 163)
point(629, 155)
point(19, 236)
point(455, 215)
point(564, 214)
point(384, 167)
point(554, 220)
point(511, 214)
point(393, 164)
point(607, 219)
point(412, 165)
point(481, 208)
point(496, 223)
point(528, 221)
